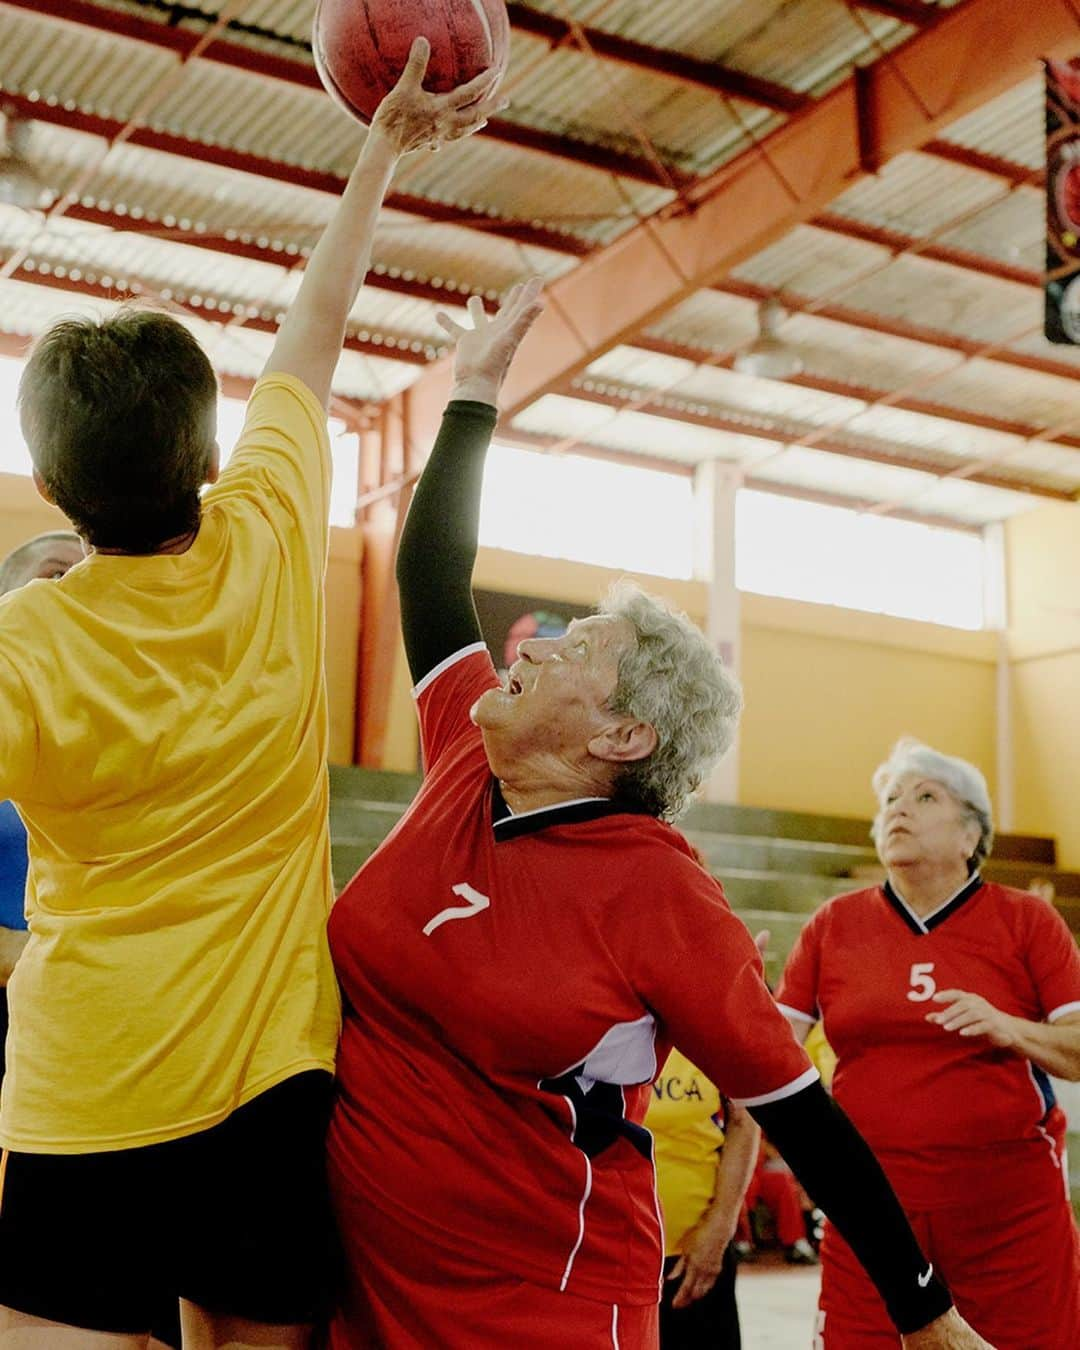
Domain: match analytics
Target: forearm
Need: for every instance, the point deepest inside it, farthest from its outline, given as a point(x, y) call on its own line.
point(840, 1174)
point(734, 1168)
point(12, 942)
point(440, 538)
point(1053, 1047)
point(313, 330)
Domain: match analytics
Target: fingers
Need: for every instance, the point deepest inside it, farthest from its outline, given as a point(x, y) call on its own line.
point(412, 77)
point(477, 88)
point(449, 326)
point(475, 307)
point(678, 1268)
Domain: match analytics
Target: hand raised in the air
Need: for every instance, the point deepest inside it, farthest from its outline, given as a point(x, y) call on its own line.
point(949, 1332)
point(410, 118)
point(485, 350)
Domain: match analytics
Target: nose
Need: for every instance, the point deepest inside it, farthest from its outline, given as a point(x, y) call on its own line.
point(533, 649)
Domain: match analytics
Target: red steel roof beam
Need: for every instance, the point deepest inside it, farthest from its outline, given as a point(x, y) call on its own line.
point(710, 75)
point(34, 272)
point(898, 242)
point(896, 105)
point(1019, 175)
point(912, 12)
point(443, 213)
point(893, 327)
point(301, 73)
point(611, 395)
point(845, 389)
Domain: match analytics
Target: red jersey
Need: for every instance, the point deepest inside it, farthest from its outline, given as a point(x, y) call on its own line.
point(937, 1108)
point(511, 985)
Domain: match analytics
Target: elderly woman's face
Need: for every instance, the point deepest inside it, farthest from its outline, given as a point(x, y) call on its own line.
point(920, 821)
point(556, 693)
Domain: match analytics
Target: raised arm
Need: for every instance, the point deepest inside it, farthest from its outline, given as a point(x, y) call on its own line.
point(309, 341)
point(439, 540)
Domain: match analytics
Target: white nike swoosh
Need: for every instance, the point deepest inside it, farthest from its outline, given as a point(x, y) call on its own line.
point(924, 1280)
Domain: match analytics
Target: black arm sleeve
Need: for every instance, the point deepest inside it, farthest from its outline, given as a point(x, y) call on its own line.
point(439, 540)
point(834, 1163)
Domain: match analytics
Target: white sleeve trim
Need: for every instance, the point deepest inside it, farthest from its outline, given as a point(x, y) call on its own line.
point(804, 1080)
point(443, 666)
point(797, 1013)
point(1063, 1011)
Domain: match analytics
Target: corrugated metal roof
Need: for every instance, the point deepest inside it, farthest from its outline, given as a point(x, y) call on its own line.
point(805, 44)
point(1011, 126)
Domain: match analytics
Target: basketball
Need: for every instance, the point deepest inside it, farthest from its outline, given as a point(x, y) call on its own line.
point(361, 46)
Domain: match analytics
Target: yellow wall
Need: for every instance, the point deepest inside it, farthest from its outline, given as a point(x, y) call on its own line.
point(23, 514)
point(828, 690)
point(1044, 650)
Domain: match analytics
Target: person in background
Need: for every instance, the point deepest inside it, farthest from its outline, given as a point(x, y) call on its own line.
point(773, 1185)
point(949, 1001)
point(704, 1149)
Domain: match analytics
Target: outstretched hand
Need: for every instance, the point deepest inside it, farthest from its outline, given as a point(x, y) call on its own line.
point(485, 350)
point(410, 118)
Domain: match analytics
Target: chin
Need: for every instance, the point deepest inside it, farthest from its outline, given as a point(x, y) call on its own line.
point(491, 709)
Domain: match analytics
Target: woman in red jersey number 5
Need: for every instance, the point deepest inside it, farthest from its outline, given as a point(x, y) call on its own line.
point(511, 963)
point(949, 1001)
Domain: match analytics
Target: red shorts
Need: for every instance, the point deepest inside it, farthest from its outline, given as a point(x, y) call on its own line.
point(391, 1308)
point(1014, 1274)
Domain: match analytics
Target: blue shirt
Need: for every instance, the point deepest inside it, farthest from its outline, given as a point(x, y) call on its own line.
point(12, 868)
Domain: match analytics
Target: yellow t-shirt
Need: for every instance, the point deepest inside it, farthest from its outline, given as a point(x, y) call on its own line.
point(687, 1139)
point(164, 736)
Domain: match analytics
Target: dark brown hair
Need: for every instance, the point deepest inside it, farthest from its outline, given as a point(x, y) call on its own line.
point(120, 417)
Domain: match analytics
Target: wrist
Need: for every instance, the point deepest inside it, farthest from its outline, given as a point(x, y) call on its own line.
point(477, 389)
point(379, 146)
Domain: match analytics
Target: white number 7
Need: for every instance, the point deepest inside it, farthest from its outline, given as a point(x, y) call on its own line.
point(923, 987)
point(476, 904)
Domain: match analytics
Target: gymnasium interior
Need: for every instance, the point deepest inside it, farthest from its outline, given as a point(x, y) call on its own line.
point(793, 374)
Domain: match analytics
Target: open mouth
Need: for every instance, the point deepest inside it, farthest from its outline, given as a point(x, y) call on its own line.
point(513, 686)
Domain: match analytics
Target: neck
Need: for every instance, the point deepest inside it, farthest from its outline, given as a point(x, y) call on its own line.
point(178, 544)
point(926, 888)
point(535, 781)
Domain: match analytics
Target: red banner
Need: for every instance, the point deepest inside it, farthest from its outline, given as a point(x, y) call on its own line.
point(1063, 201)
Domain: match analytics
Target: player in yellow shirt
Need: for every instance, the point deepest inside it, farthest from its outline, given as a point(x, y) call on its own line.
point(702, 1171)
point(163, 734)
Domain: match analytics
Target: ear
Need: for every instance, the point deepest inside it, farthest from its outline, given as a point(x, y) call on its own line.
point(213, 464)
point(624, 742)
point(42, 490)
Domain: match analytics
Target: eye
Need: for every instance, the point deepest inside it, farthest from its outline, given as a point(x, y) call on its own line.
point(890, 799)
point(927, 797)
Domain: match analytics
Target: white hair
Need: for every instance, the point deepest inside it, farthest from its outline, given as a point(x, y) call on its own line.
point(21, 563)
point(962, 780)
point(673, 679)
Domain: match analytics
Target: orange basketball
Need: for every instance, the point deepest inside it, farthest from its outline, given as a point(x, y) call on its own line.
point(361, 46)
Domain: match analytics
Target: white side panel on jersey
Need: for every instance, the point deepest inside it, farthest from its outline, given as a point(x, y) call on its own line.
point(625, 1054)
point(443, 666)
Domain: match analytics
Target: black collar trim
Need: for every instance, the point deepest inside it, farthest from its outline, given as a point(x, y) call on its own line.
point(508, 826)
point(932, 921)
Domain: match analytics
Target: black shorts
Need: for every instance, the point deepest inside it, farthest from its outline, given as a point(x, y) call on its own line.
point(235, 1218)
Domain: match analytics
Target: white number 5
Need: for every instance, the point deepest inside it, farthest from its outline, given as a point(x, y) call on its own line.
point(475, 904)
point(923, 987)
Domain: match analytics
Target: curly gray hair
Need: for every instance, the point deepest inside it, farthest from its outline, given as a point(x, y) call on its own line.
point(961, 779)
point(673, 679)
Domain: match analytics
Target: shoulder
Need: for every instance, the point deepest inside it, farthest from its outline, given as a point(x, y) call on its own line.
point(852, 909)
